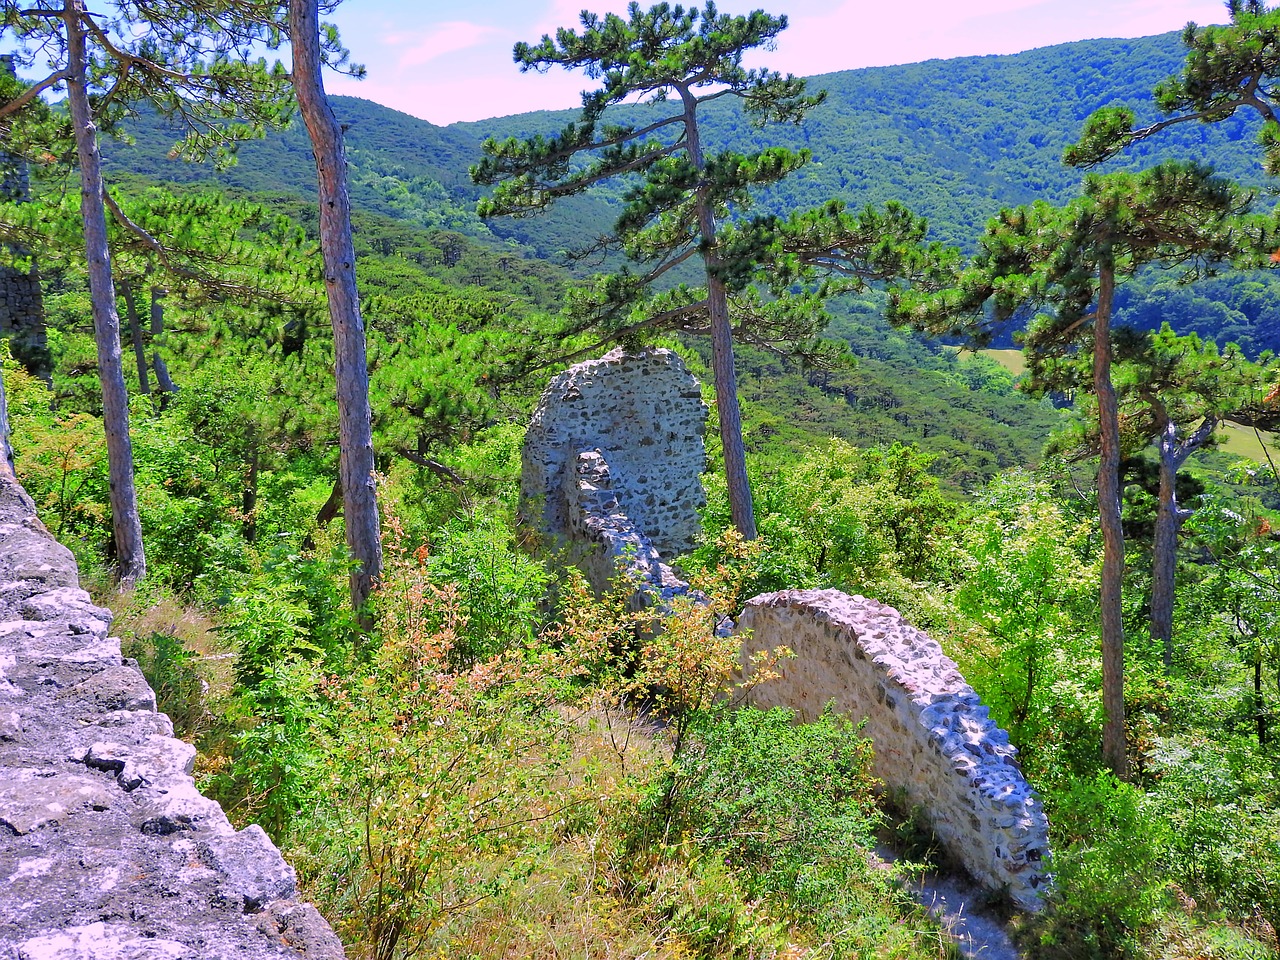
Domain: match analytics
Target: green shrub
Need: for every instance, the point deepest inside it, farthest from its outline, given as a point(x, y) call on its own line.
point(1219, 800)
point(292, 607)
point(279, 758)
point(171, 670)
point(703, 903)
point(1110, 879)
point(788, 808)
point(500, 589)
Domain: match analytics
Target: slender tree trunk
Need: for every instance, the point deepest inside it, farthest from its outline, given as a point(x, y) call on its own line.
point(728, 410)
point(6, 451)
point(157, 328)
point(1169, 520)
point(1114, 747)
point(1164, 551)
point(106, 321)
point(249, 500)
point(1259, 708)
point(135, 334)
point(355, 433)
point(23, 314)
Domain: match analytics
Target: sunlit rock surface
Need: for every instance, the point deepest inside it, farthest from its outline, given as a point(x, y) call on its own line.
point(643, 412)
point(933, 738)
point(107, 850)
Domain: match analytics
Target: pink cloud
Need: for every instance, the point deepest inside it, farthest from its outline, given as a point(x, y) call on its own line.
point(470, 74)
point(858, 34)
point(445, 38)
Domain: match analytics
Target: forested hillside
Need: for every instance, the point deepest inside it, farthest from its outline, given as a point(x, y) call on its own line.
point(487, 760)
point(955, 140)
point(952, 139)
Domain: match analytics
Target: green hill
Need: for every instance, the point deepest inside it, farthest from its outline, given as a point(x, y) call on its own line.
point(957, 139)
point(953, 139)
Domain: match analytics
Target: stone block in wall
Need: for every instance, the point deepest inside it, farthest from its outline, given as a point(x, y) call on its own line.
point(644, 413)
point(107, 849)
point(931, 733)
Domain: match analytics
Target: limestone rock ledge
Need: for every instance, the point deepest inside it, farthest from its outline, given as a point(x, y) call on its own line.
point(933, 738)
point(107, 850)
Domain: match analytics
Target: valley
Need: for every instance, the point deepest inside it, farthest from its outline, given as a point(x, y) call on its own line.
point(974, 395)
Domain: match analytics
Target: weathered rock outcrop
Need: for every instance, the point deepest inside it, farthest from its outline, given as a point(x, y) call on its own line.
point(644, 414)
point(933, 738)
point(107, 850)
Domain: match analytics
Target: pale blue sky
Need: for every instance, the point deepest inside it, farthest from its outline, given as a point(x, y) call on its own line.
point(452, 61)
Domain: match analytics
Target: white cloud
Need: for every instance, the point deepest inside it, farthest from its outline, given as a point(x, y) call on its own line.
point(442, 39)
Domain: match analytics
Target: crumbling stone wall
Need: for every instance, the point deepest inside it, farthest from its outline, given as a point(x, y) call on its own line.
point(107, 850)
point(933, 738)
point(643, 412)
point(589, 481)
point(614, 546)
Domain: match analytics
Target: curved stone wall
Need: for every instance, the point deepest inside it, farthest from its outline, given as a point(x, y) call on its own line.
point(644, 413)
point(933, 738)
point(107, 850)
point(592, 471)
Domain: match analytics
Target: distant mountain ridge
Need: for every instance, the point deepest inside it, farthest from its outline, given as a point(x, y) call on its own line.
point(953, 139)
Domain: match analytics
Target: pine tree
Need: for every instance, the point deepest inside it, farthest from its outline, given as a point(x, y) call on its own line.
point(1182, 390)
point(193, 62)
point(1173, 391)
point(355, 431)
point(680, 189)
point(1229, 67)
point(1068, 259)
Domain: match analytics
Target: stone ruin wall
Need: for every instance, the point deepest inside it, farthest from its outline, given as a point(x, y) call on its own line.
point(933, 738)
point(612, 542)
point(107, 850)
point(643, 413)
point(21, 300)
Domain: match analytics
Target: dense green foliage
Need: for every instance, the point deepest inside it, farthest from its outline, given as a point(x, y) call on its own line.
point(507, 766)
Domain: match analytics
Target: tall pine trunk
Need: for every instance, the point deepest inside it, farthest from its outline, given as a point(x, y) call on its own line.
point(1164, 551)
point(1169, 520)
point(355, 432)
point(106, 321)
point(728, 411)
point(1114, 747)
